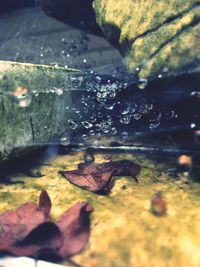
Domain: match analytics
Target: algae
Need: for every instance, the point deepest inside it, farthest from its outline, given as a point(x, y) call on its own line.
point(156, 38)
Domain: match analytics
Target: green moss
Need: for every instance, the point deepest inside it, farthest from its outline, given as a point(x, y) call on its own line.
point(148, 33)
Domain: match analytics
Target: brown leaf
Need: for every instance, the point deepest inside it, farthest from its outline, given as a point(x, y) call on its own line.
point(16, 225)
point(75, 227)
point(99, 178)
point(44, 240)
point(29, 232)
point(124, 167)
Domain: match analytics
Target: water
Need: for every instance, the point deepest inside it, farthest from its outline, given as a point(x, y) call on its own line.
point(104, 101)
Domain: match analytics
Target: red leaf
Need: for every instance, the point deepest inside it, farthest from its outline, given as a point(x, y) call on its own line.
point(16, 225)
point(75, 227)
point(124, 167)
point(43, 240)
point(99, 178)
point(29, 232)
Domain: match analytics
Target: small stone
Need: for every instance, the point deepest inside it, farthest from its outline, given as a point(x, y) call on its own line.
point(36, 173)
point(123, 187)
point(88, 156)
point(158, 204)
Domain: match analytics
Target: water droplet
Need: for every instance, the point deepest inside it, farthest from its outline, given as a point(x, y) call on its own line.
point(137, 116)
point(142, 83)
point(109, 106)
point(125, 119)
point(84, 137)
point(154, 125)
point(22, 96)
point(165, 69)
point(91, 132)
point(87, 125)
point(93, 118)
point(105, 126)
point(72, 124)
point(58, 91)
point(65, 140)
point(124, 135)
point(192, 125)
point(98, 78)
point(143, 109)
point(125, 109)
point(150, 106)
point(113, 130)
point(64, 41)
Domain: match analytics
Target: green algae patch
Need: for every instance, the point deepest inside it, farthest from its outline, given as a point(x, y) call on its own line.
point(33, 101)
point(124, 231)
point(156, 38)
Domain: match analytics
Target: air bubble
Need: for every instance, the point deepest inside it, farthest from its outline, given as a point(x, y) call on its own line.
point(124, 135)
point(192, 125)
point(137, 116)
point(64, 41)
point(109, 106)
point(58, 91)
point(125, 109)
point(91, 132)
point(142, 83)
point(125, 119)
point(98, 127)
point(87, 125)
point(143, 109)
point(150, 106)
point(84, 137)
point(154, 125)
point(65, 140)
point(105, 126)
point(98, 134)
point(98, 78)
point(113, 130)
point(72, 124)
point(22, 96)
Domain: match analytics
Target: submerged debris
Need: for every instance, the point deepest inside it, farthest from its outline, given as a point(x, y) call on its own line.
point(99, 178)
point(158, 204)
point(29, 231)
point(89, 156)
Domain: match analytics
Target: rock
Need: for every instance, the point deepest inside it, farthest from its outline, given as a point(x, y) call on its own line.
point(159, 38)
point(35, 105)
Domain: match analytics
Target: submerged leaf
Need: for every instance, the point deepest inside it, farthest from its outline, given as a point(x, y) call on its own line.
point(75, 227)
point(28, 231)
point(99, 178)
point(45, 202)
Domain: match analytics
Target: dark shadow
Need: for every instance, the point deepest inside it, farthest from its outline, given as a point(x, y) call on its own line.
point(77, 13)
point(20, 165)
point(12, 5)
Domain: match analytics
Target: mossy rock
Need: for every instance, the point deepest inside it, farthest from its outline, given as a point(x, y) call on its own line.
point(33, 105)
point(156, 38)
